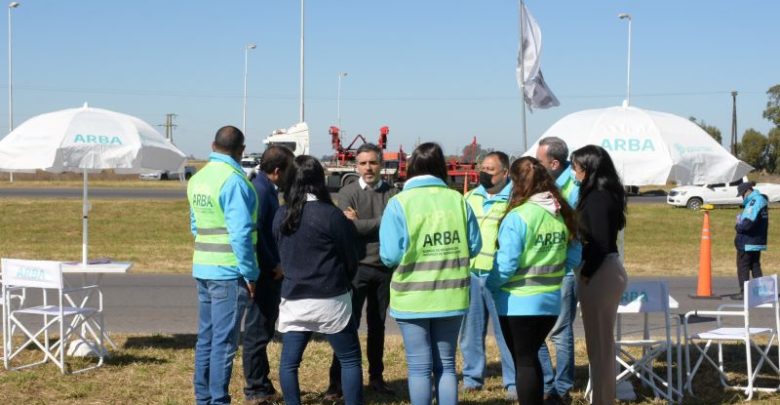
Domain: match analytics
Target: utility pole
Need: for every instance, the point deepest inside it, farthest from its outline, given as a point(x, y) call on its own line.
point(734, 123)
point(169, 126)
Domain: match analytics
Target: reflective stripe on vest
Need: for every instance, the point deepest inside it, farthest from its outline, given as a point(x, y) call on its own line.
point(212, 231)
point(430, 285)
point(437, 265)
point(433, 274)
point(542, 263)
point(488, 228)
point(212, 242)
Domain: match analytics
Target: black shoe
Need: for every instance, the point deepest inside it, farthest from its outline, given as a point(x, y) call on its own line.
point(379, 385)
point(333, 393)
point(268, 399)
point(552, 399)
point(737, 297)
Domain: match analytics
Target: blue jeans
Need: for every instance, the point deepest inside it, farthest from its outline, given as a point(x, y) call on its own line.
point(430, 349)
point(221, 306)
point(560, 381)
point(472, 338)
point(345, 345)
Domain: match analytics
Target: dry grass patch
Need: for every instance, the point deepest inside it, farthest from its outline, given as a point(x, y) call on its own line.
point(158, 370)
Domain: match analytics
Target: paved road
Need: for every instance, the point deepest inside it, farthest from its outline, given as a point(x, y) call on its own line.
point(97, 193)
point(140, 303)
point(166, 194)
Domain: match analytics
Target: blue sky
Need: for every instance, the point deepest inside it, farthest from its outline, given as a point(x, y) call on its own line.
point(430, 69)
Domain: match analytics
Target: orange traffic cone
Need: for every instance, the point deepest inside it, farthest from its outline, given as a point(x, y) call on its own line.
point(704, 286)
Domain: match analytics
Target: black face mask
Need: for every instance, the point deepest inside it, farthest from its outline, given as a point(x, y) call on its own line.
point(485, 180)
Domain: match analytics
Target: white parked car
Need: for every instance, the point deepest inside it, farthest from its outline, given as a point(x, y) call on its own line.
point(249, 164)
point(166, 175)
point(717, 194)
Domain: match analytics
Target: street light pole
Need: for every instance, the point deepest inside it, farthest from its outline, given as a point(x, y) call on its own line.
point(300, 105)
point(11, 6)
point(246, 66)
point(624, 16)
point(338, 100)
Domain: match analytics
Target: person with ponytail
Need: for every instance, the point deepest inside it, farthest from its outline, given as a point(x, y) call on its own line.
point(533, 250)
point(317, 250)
point(602, 278)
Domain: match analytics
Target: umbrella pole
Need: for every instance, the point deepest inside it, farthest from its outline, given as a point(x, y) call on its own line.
point(84, 222)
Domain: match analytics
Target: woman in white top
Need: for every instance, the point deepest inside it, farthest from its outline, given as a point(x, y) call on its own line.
point(318, 256)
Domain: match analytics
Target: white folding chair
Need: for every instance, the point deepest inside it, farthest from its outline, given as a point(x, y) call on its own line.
point(759, 293)
point(19, 297)
point(67, 320)
point(646, 298)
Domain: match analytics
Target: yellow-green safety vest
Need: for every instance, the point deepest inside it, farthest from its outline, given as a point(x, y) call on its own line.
point(433, 274)
point(212, 242)
point(542, 263)
point(488, 228)
point(567, 188)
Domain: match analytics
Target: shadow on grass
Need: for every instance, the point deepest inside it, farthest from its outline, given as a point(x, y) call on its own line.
point(706, 385)
point(125, 359)
point(184, 341)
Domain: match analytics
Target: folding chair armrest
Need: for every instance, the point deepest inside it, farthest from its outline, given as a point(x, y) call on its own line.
point(79, 289)
point(9, 289)
point(736, 306)
point(717, 314)
point(713, 313)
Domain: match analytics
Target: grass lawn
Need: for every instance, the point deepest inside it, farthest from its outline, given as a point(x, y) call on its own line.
point(158, 370)
point(154, 235)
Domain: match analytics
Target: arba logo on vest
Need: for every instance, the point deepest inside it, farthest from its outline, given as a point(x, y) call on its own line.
point(201, 201)
point(550, 238)
point(441, 238)
point(97, 139)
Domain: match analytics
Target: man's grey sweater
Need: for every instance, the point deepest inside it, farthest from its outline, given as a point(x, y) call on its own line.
point(370, 205)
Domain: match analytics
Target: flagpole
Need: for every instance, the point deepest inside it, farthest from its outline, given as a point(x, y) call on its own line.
point(522, 76)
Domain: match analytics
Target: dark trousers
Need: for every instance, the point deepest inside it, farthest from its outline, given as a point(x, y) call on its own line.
point(748, 263)
point(524, 336)
point(372, 287)
point(261, 315)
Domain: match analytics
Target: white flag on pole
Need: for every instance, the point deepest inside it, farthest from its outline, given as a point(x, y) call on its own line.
point(536, 92)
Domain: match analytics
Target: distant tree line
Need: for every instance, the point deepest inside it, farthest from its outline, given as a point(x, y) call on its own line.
point(759, 150)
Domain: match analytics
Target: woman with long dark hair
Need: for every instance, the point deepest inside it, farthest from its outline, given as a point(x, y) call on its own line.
point(427, 235)
point(317, 252)
point(602, 278)
point(533, 250)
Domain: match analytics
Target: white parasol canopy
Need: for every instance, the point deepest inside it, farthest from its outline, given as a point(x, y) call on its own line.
point(649, 147)
point(87, 140)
